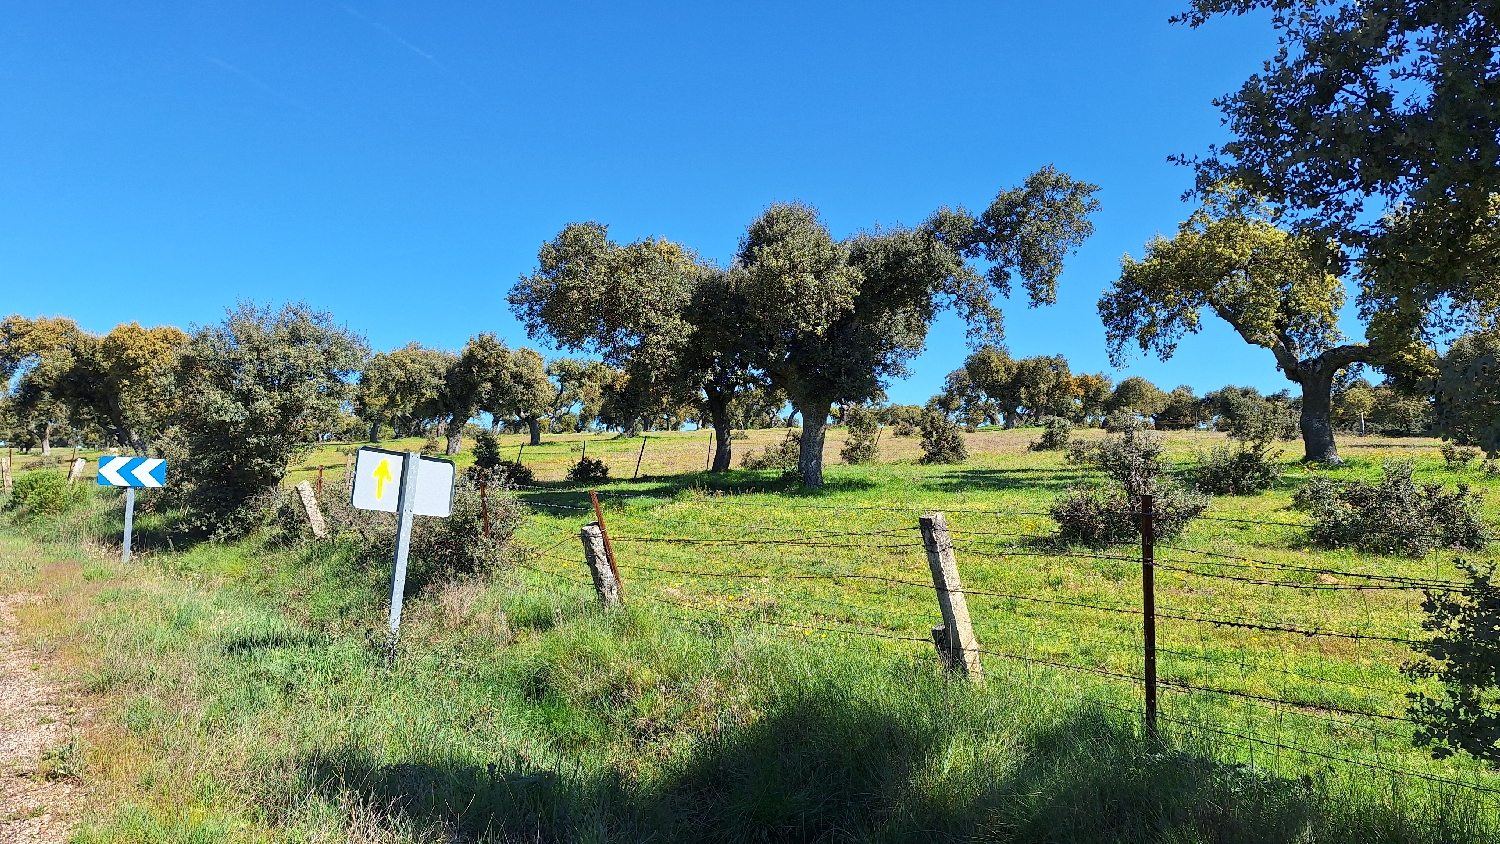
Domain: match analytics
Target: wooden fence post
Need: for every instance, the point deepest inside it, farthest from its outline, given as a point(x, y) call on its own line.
point(310, 507)
point(638, 459)
point(484, 506)
point(955, 636)
point(75, 470)
point(319, 488)
point(605, 582)
point(1148, 605)
point(5, 473)
point(349, 473)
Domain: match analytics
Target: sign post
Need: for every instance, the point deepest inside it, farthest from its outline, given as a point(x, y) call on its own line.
point(131, 473)
point(409, 485)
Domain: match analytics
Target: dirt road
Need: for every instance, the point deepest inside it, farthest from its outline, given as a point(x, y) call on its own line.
point(38, 743)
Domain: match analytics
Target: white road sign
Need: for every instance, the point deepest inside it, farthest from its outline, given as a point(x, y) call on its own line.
point(377, 482)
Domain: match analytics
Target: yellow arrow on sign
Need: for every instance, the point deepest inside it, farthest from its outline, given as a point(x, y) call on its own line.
point(382, 475)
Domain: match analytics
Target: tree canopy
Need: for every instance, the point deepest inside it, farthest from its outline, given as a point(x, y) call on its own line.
point(1377, 123)
point(1276, 289)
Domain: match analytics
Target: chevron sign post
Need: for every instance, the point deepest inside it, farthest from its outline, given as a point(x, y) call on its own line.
point(130, 473)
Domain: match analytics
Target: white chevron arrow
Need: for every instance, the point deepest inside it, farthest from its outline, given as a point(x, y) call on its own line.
point(143, 472)
point(111, 471)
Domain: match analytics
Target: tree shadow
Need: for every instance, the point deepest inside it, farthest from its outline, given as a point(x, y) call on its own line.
point(1041, 479)
point(827, 767)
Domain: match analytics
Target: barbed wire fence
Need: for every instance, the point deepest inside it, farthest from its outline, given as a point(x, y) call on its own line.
point(1360, 713)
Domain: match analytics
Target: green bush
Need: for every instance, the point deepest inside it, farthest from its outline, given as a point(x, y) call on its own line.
point(1135, 464)
point(863, 443)
point(1107, 516)
point(1057, 435)
point(1464, 657)
point(44, 493)
point(942, 440)
point(588, 470)
point(782, 455)
point(486, 450)
point(1456, 457)
point(1394, 516)
point(1236, 471)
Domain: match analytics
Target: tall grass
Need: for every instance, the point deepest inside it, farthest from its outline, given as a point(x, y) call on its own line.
point(245, 693)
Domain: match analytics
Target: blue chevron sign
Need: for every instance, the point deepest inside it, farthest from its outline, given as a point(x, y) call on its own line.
point(147, 472)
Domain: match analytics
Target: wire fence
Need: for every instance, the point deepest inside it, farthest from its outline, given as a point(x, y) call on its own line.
point(788, 579)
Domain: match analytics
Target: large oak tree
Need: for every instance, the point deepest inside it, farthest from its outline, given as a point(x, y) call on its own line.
point(833, 320)
point(1277, 290)
point(1377, 125)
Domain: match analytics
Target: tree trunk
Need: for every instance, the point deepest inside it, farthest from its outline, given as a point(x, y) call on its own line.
point(814, 426)
point(534, 425)
point(1317, 416)
point(718, 411)
point(374, 432)
point(453, 431)
point(46, 439)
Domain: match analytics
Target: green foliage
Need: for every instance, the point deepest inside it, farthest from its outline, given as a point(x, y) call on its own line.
point(1276, 289)
point(1466, 391)
point(1057, 435)
point(863, 442)
point(1107, 516)
point(399, 388)
point(782, 455)
point(486, 451)
point(1135, 464)
point(256, 390)
point(44, 493)
point(588, 470)
point(1463, 655)
point(1181, 410)
point(1136, 396)
point(1253, 464)
point(1394, 516)
point(942, 440)
point(1457, 457)
point(1368, 107)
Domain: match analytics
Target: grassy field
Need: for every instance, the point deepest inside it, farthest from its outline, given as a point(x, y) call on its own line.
point(771, 676)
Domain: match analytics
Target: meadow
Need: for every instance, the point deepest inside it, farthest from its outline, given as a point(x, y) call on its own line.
point(771, 675)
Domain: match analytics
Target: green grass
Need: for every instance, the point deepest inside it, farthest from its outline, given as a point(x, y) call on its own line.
point(245, 694)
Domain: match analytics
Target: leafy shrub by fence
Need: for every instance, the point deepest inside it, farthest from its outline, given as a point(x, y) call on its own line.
point(1393, 516)
point(863, 443)
point(1135, 465)
point(1057, 435)
point(588, 470)
point(44, 493)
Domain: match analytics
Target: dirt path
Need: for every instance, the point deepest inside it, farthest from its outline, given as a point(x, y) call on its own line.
point(37, 722)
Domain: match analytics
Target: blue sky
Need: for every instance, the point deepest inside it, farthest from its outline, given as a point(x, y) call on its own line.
point(399, 163)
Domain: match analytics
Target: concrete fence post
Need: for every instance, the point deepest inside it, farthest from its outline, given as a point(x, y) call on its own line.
point(605, 582)
point(310, 507)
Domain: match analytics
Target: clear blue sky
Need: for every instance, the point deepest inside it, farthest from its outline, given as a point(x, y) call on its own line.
point(399, 164)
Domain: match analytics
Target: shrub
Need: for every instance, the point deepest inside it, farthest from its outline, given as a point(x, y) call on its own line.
point(781, 455)
point(486, 450)
point(1106, 515)
point(1457, 457)
point(1236, 471)
point(1394, 516)
point(254, 391)
point(1252, 464)
point(440, 548)
point(43, 493)
point(863, 443)
point(1135, 465)
point(1057, 435)
point(588, 470)
point(942, 440)
point(1119, 421)
point(1464, 657)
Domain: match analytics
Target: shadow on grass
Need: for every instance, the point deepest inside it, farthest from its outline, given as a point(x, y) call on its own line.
point(1040, 479)
point(733, 482)
point(826, 768)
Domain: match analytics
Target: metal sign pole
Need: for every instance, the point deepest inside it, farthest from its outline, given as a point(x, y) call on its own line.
point(129, 522)
point(405, 507)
